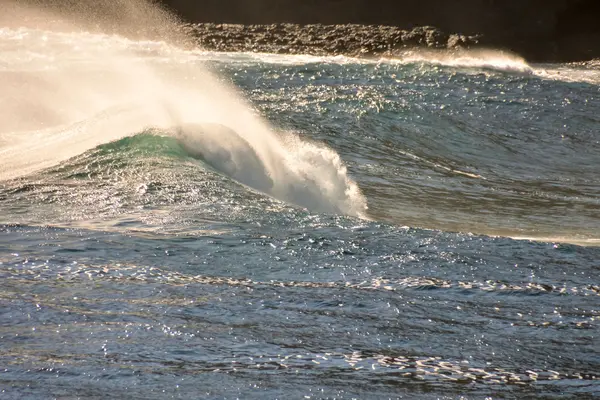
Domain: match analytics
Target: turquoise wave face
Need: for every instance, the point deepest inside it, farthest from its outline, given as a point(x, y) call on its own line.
point(152, 142)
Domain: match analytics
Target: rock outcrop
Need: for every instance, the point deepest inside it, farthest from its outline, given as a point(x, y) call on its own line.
point(318, 39)
point(540, 30)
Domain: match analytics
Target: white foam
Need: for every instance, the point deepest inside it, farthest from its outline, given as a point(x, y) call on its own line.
point(270, 58)
point(570, 73)
point(288, 168)
point(486, 59)
point(468, 59)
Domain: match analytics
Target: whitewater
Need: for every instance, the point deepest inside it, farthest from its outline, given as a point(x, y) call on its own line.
point(180, 223)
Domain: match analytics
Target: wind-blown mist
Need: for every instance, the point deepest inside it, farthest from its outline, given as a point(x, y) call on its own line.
point(66, 91)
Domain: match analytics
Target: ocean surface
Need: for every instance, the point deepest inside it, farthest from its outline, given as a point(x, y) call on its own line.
point(186, 224)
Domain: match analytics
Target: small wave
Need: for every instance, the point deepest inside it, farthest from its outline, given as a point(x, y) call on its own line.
point(479, 59)
point(476, 59)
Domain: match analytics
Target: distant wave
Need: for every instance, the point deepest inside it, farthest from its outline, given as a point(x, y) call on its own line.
point(475, 60)
point(486, 59)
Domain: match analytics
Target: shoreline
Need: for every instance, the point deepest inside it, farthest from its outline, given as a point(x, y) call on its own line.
point(350, 40)
point(353, 40)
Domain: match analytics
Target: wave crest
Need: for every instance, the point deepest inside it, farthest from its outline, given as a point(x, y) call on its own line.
point(80, 90)
point(292, 170)
point(486, 59)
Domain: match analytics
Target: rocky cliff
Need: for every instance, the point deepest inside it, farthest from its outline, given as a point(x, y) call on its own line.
point(540, 30)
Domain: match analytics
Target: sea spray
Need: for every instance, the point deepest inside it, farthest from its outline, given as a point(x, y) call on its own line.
point(69, 89)
point(289, 168)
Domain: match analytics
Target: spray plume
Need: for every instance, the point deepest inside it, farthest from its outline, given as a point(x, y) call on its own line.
point(76, 74)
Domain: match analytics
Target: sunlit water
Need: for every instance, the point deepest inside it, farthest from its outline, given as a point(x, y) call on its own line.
point(161, 238)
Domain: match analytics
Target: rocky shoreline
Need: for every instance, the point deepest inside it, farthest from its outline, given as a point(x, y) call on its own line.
point(317, 39)
point(538, 30)
point(354, 40)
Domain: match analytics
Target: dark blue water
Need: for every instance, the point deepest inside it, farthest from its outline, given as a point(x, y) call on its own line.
point(139, 268)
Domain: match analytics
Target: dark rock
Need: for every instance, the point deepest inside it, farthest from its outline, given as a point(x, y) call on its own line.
point(540, 30)
point(436, 38)
point(353, 40)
